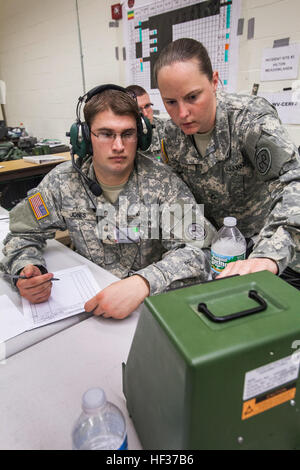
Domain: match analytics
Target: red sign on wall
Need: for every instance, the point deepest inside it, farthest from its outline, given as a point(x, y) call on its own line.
point(116, 11)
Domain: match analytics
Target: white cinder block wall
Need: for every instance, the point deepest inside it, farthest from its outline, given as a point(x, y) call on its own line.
point(40, 59)
point(40, 55)
point(274, 19)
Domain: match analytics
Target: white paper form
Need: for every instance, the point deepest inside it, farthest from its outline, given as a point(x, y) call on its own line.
point(12, 322)
point(68, 295)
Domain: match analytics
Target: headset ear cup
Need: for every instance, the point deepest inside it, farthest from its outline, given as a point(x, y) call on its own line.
point(74, 135)
point(80, 139)
point(144, 129)
point(86, 137)
point(75, 140)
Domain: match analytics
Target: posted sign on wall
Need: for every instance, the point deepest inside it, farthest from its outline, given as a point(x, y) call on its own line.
point(287, 104)
point(280, 63)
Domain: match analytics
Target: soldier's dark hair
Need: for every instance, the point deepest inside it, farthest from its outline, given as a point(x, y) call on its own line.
point(182, 50)
point(119, 102)
point(137, 90)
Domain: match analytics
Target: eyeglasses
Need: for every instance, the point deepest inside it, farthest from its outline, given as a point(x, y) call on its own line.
point(146, 107)
point(109, 137)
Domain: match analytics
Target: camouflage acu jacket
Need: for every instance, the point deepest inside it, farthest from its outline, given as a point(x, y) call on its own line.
point(62, 202)
point(251, 171)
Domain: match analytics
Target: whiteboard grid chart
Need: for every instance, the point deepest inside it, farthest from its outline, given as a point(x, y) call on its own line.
point(149, 28)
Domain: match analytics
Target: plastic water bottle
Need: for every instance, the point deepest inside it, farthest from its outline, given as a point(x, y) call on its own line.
point(101, 425)
point(227, 246)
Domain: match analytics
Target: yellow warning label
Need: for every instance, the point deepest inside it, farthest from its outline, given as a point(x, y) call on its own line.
point(259, 405)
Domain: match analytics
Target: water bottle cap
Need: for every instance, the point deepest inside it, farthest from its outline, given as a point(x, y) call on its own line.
point(230, 221)
point(93, 399)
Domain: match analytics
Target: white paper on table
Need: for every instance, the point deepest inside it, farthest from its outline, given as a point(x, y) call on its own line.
point(68, 295)
point(12, 322)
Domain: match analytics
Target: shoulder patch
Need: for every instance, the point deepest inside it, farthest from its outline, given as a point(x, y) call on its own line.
point(38, 206)
point(263, 160)
point(196, 231)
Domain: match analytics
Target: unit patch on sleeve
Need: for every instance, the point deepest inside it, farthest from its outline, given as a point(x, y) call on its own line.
point(38, 206)
point(263, 160)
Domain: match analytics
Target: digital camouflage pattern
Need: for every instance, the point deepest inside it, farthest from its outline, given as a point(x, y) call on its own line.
point(154, 150)
point(251, 171)
point(72, 207)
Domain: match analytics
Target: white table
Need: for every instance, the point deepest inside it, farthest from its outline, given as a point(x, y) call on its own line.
point(41, 387)
point(49, 368)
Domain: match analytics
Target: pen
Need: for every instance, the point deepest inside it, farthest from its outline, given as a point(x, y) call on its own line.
point(15, 276)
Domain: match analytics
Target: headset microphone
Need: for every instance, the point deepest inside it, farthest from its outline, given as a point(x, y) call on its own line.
point(94, 187)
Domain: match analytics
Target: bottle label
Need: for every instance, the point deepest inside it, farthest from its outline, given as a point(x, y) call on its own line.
point(124, 445)
point(219, 262)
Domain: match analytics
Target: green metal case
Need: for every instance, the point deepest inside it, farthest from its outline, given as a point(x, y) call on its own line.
point(193, 383)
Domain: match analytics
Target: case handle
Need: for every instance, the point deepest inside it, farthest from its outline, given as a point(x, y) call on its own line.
point(202, 308)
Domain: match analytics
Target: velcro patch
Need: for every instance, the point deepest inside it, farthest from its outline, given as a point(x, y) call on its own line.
point(196, 232)
point(38, 206)
point(263, 160)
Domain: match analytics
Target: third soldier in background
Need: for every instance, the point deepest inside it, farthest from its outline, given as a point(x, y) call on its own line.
point(146, 107)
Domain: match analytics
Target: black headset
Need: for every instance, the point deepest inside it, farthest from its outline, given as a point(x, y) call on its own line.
point(80, 135)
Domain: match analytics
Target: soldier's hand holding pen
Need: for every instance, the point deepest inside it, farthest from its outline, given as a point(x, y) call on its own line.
point(36, 287)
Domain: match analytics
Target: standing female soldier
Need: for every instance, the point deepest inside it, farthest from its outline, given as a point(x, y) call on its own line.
point(235, 156)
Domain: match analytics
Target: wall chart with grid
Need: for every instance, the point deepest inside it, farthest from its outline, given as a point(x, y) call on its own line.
point(149, 28)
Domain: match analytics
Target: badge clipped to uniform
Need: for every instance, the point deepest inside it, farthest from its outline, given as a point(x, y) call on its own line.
point(119, 235)
point(38, 206)
point(127, 235)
